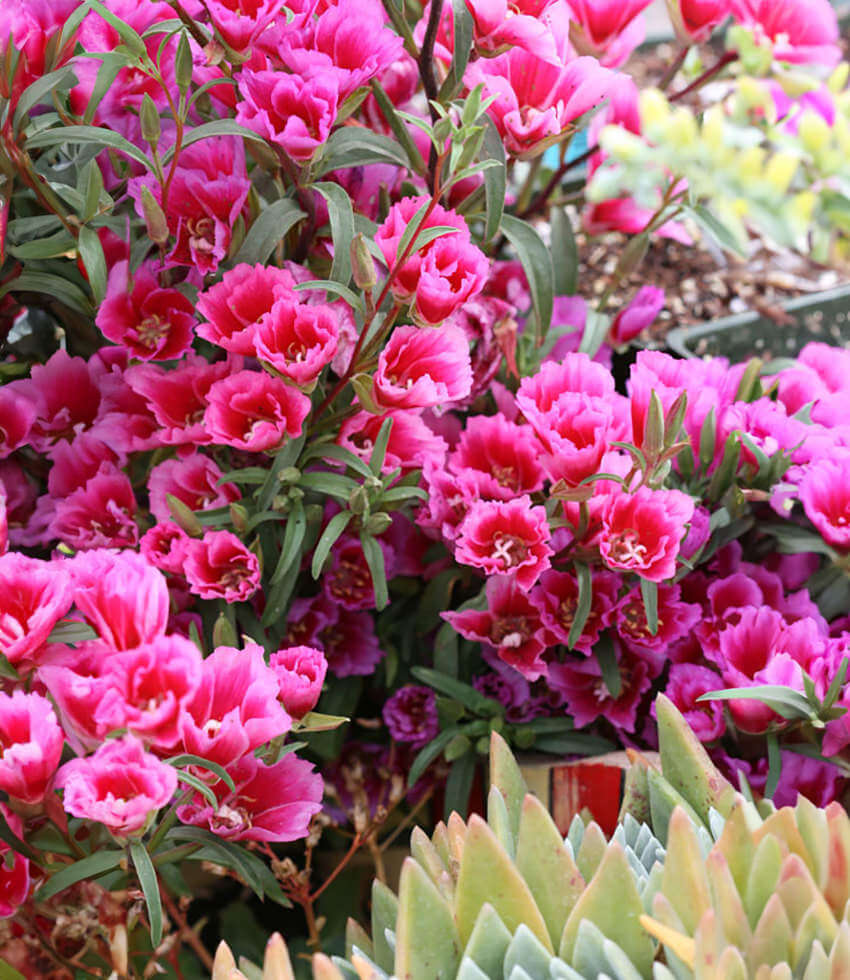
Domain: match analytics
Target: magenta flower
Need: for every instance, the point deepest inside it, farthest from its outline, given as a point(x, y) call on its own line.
point(412, 444)
point(100, 514)
point(250, 410)
point(506, 538)
point(17, 415)
point(300, 674)
point(241, 22)
point(152, 323)
point(685, 684)
point(502, 456)
point(294, 111)
point(120, 786)
point(235, 708)
point(194, 480)
point(30, 745)
point(694, 20)
point(219, 566)
point(122, 596)
point(147, 688)
point(411, 715)
point(511, 624)
point(34, 596)
point(297, 339)
point(825, 494)
point(556, 595)
point(270, 803)
point(799, 31)
point(421, 367)
point(642, 531)
point(14, 869)
point(235, 306)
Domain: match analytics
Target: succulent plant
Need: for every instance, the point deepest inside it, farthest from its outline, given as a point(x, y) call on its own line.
point(735, 891)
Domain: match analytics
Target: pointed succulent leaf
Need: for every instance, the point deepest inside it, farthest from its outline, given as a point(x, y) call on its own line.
point(726, 901)
point(488, 943)
point(663, 800)
point(506, 776)
point(686, 764)
point(499, 821)
point(487, 874)
point(591, 850)
point(356, 935)
point(527, 952)
point(762, 879)
point(685, 881)
point(384, 916)
point(619, 920)
point(427, 943)
point(547, 866)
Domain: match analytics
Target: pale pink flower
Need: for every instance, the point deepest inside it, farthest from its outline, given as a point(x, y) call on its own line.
point(269, 803)
point(250, 410)
point(297, 339)
point(30, 745)
point(219, 566)
point(300, 674)
point(34, 596)
point(420, 367)
point(194, 480)
point(120, 786)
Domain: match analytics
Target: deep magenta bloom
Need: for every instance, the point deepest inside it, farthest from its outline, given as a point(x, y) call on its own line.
point(298, 339)
point(14, 869)
point(503, 457)
point(642, 531)
point(685, 684)
point(250, 410)
point(421, 367)
point(511, 624)
point(192, 479)
point(411, 715)
point(800, 31)
point(506, 538)
point(152, 323)
point(825, 494)
point(34, 596)
point(122, 596)
point(300, 674)
point(294, 111)
point(235, 708)
point(100, 514)
point(120, 786)
point(235, 306)
point(556, 594)
point(270, 803)
point(219, 566)
point(30, 745)
point(147, 688)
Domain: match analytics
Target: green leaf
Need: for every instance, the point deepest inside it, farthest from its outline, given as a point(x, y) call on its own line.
point(218, 127)
point(495, 181)
point(341, 215)
point(375, 560)
point(400, 130)
point(607, 660)
point(356, 146)
point(537, 262)
point(89, 134)
point(336, 525)
point(91, 252)
point(564, 253)
point(585, 600)
point(268, 228)
point(89, 867)
point(459, 785)
point(133, 41)
point(649, 594)
point(150, 888)
point(186, 759)
point(44, 282)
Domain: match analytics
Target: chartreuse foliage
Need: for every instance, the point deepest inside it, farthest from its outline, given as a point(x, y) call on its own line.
point(736, 891)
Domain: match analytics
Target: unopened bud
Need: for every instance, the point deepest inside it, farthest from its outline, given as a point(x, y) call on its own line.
point(362, 263)
point(155, 221)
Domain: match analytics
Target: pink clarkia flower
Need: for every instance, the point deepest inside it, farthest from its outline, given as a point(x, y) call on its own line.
point(269, 803)
point(453, 271)
point(506, 538)
point(164, 546)
point(34, 596)
point(98, 515)
point(599, 24)
point(536, 101)
point(412, 444)
point(641, 312)
point(799, 31)
point(235, 708)
point(147, 688)
point(194, 480)
point(120, 786)
point(421, 367)
point(503, 457)
point(685, 684)
point(297, 339)
point(178, 396)
point(219, 566)
point(235, 306)
point(694, 20)
point(241, 22)
point(250, 410)
point(17, 414)
point(30, 745)
point(300, 674)
point(825, 494)
point(511, 625)
point(556, 595)
point(121, 596)
point(295, 112)
point(14, 869)
point(642, 531)
point(153, 323)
